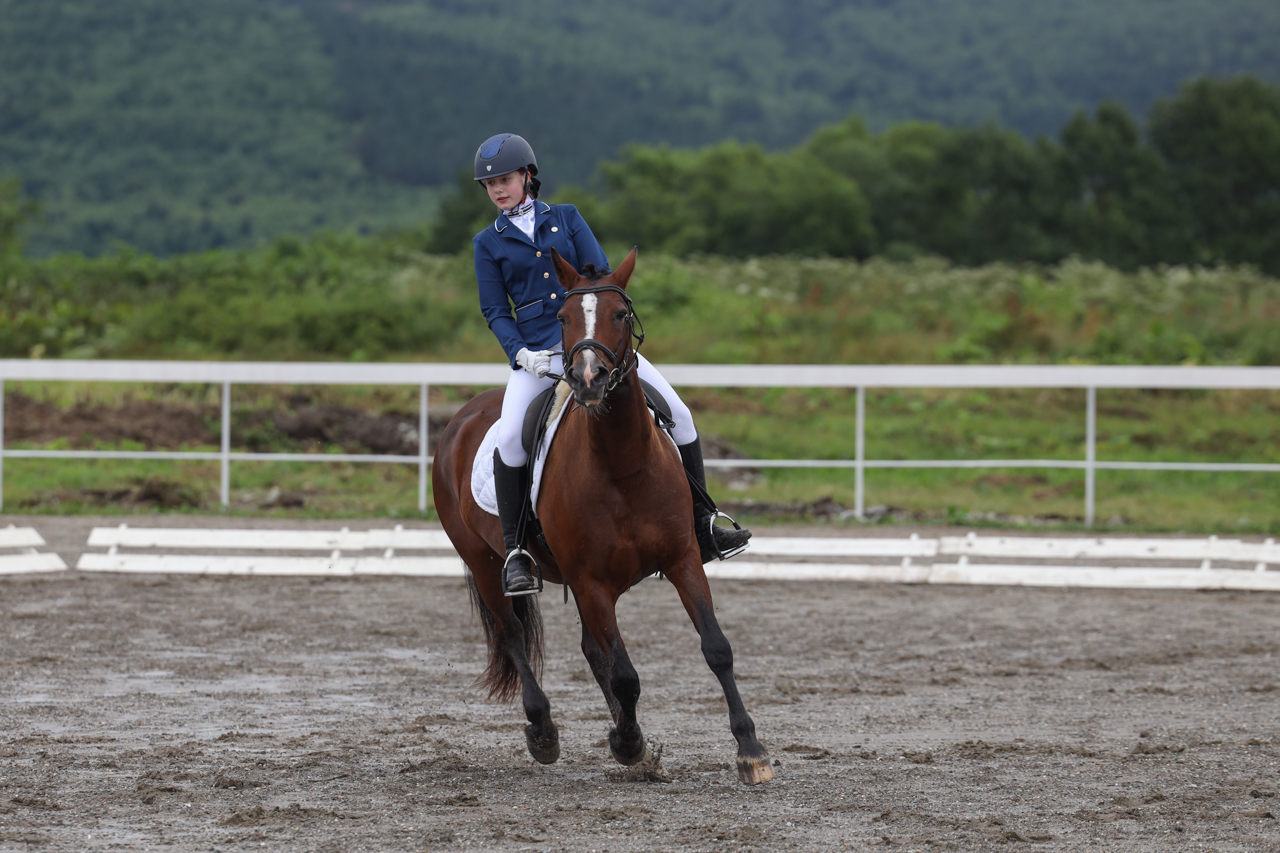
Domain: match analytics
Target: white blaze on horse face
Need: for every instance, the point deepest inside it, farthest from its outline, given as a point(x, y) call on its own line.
point(589, 313)
point(589, 302)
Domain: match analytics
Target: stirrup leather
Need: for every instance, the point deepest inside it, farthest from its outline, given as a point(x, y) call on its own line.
point(537, 574)
point(732, 552)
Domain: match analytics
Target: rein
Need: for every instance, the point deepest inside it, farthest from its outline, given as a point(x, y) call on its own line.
point(623, 359)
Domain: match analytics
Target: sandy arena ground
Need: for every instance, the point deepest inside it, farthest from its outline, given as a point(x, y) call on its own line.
point(182, 713)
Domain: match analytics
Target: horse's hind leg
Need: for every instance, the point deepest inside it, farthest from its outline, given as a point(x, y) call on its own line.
point(690, 581)
point(541, 735)
point(513, 628)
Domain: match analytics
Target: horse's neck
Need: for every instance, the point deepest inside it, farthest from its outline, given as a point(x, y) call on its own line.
point(623, 436)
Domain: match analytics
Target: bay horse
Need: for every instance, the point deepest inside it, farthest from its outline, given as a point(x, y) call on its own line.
point(615, 508)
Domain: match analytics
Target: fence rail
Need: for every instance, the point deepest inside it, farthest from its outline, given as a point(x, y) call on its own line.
point(860, 377)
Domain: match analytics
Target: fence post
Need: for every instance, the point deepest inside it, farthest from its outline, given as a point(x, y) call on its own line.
point(424, 434)
point(860, 451)
point(226, 444)
point(1090, 451)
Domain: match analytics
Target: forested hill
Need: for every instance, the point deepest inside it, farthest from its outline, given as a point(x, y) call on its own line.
point(176, 125)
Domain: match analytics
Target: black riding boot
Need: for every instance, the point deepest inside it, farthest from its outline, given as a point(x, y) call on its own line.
point(715, 542)
point(511, 486)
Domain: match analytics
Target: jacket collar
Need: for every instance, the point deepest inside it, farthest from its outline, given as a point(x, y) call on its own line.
point(502, 223)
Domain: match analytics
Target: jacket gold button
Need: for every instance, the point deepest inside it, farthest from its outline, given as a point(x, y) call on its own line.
point(539, 254)
point(546, 275)
point(553, 296)
point(554, 229)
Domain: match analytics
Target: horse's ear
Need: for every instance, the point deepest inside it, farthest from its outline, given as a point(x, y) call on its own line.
point(569, 278)
point(622, 274)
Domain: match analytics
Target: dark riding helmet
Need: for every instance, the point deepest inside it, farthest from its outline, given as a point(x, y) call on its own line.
point(504, 153)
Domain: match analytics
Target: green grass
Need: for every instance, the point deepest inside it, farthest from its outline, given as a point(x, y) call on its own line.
point(1016, 424)
point(776, 424)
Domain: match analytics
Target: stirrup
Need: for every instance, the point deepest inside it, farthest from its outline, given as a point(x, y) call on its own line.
point(537, 574)
point(732, 552)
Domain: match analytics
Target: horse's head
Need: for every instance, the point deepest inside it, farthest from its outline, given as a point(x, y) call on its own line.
point(596, 326)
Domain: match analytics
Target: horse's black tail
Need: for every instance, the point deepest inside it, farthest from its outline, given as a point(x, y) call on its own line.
point(501, 678)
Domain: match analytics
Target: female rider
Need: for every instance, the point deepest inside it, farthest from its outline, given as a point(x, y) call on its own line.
point(514, 269)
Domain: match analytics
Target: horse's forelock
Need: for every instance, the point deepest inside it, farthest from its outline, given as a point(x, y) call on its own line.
point(591, 274)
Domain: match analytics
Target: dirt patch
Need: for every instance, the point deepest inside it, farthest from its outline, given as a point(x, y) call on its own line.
point(315, 426)
point(303, 714)
point(292, 423)
point(155, 424)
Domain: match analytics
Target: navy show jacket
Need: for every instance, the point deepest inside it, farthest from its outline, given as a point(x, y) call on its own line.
point(514, 270)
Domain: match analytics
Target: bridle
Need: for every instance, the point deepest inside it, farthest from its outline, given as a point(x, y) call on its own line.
point(623, 360)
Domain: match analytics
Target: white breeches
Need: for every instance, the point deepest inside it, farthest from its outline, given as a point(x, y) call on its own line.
point(523, 387)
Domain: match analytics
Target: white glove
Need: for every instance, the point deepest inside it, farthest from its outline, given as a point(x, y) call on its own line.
point(537, 363)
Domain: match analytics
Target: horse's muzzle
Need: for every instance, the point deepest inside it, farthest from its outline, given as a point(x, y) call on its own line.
point(589, 385)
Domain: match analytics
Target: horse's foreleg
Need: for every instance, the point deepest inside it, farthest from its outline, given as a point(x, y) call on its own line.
point(599, 663)
point(617, 676)
point(690, 581)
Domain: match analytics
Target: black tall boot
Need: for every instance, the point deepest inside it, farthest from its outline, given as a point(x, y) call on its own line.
point(715, 542)
point(511, 486)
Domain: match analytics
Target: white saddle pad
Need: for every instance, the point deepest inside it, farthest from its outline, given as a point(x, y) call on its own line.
point(482, 488)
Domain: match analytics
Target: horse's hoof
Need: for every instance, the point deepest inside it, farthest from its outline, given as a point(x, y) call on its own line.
point(648, 768)
point(544, 749)
point(755, 771)
point(625, 756)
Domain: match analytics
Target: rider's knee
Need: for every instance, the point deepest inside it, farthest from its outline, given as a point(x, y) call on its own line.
point(684, 431)
point(511, 444)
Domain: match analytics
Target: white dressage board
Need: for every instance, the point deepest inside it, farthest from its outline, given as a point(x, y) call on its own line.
point(800, 558)
point(27, 540)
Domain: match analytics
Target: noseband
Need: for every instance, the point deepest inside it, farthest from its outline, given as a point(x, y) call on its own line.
point(624, 358)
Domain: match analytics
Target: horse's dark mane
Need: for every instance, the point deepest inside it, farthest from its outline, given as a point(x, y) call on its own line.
point(591, 273)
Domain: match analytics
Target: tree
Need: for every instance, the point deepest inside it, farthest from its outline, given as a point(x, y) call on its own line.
point(1017, 196)
point(462, 213)
point(15, 212)
point(1221, 139)
point(734, 199)
point(1126, 213)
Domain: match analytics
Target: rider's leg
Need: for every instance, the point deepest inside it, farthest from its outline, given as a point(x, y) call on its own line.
point(712, 540)
point(510, 477)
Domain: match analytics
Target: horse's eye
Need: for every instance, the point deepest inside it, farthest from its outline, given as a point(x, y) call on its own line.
point(621, 315)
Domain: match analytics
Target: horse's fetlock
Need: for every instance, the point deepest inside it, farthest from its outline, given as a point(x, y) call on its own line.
point(748, 745)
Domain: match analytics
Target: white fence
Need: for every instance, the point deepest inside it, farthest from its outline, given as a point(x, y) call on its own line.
point(859, 377)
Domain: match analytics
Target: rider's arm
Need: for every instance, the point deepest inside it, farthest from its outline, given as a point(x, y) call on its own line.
point(588, 248)
point(494, 303)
